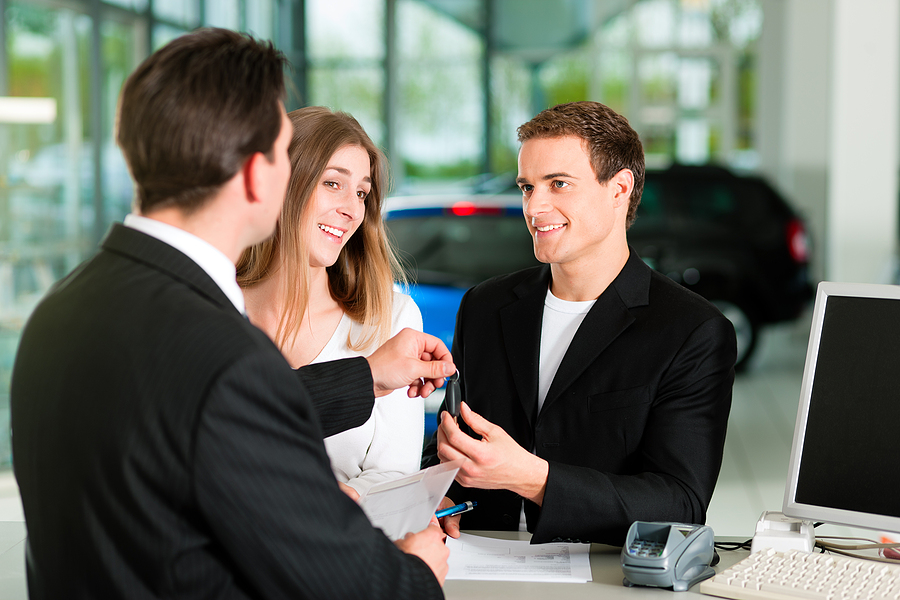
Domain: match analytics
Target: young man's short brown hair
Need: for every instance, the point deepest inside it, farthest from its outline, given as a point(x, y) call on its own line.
point(194, 111)
point(609, 140)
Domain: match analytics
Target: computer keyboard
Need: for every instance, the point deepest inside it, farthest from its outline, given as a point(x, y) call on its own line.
point(771, 575)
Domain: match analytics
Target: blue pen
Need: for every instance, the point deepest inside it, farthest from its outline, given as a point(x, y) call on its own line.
point(455, 510)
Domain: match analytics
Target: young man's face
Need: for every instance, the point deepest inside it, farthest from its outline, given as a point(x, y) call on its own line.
point(572, 218)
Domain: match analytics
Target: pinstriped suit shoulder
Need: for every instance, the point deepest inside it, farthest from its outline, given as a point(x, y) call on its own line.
point(164, 448)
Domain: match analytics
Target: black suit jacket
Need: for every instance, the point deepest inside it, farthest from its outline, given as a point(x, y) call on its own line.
point(165, 449)
point(633, 425)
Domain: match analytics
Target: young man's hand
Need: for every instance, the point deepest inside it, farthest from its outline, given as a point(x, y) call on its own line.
point(495, 461)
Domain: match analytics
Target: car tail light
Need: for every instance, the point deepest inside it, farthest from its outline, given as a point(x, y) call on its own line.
point(465, 209)
point(798, 241)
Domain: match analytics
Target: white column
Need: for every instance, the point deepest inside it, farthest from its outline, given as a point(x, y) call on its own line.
point(794, 107)
point(863, 142)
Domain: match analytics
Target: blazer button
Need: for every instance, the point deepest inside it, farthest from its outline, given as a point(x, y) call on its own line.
point(507, 519)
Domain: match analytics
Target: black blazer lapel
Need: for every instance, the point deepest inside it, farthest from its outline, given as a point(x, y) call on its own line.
point(156, 254)
point(606, 320)
point(521, 324)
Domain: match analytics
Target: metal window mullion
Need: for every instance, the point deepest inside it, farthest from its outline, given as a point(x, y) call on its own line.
point(489, 48)
point(96, 117)
point(390, 98)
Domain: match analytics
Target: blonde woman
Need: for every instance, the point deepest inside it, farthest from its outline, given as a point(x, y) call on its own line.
point(322, 286)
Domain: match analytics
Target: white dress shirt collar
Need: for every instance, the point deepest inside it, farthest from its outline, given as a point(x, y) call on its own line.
point(209, 258)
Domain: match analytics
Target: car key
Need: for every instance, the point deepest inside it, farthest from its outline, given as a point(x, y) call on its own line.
point(452, 398)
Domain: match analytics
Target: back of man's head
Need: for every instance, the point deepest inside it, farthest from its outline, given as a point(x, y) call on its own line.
point(609, 140)
point(191, 114)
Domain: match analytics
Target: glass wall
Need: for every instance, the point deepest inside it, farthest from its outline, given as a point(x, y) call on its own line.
point(119, 54)
point(683, 74)
point(62, 178)
point(425, 78)
point(511, 106)
point(346, 65)
point(46, 171)
point(440, 121)
point(432, 68)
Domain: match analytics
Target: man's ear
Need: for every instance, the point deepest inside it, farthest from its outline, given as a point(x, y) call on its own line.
point(623, 183)
point(253, 175)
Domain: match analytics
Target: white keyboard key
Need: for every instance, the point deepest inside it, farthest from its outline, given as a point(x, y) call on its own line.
point(791, 592)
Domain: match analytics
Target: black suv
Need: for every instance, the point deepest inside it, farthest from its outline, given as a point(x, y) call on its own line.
point(730, 238)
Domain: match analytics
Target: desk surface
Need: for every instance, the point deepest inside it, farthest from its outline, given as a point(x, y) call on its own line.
point(605, 569)
point(12, 561)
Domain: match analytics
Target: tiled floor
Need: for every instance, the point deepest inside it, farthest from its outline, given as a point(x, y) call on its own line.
point(757, 448)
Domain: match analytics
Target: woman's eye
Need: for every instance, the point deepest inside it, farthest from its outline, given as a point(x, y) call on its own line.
point(332, 184)
point(362, 195)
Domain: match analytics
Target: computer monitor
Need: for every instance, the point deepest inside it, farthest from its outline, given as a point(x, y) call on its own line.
point(846, 448)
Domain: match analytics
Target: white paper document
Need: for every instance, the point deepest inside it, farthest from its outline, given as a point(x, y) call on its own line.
point(406, 505)
point(476, 557)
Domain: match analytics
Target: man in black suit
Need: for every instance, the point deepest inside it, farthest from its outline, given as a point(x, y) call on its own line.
point(162, 445)
point(596, 389)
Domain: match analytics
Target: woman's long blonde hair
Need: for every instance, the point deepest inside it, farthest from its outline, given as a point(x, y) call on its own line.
point(361, 280)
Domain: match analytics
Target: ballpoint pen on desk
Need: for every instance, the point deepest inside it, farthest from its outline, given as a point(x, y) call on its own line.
point(456, 510)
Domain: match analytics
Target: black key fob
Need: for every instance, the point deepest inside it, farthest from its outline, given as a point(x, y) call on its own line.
point(452, 398)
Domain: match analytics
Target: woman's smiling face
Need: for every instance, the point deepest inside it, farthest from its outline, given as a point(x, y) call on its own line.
point(338, 204)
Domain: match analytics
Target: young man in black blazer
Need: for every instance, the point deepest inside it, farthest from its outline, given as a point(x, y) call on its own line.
point(596, 391)
point(162, 445)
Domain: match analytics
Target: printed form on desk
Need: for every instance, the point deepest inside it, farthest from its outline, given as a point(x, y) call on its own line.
point(476, 557)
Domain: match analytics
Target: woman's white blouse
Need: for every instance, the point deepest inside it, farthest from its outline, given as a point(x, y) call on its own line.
point(389, 444)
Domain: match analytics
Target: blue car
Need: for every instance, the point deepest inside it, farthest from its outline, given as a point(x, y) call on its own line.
point(449, 243)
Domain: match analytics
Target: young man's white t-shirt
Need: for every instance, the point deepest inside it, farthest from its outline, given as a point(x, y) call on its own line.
point(562, 319)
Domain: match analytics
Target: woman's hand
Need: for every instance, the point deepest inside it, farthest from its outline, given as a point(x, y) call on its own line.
point(354, 495)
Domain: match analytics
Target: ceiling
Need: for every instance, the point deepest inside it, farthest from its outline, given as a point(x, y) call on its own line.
point(532, 30)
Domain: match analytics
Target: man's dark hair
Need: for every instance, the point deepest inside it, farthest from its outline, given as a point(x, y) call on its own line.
point(194, 111)
point(610, 142)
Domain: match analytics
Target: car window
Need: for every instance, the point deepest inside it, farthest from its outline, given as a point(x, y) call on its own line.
point(455, 250)
point(652, 208)
point(682, 199)
point(710, 201)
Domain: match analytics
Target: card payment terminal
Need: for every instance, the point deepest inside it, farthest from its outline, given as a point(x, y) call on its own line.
point(675, 555)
